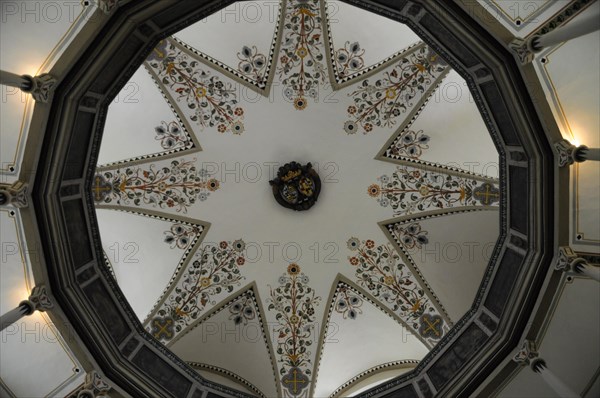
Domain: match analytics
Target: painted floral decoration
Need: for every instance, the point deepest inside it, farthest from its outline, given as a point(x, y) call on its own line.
point(181, 235)
point(294, 303)
point(242, 310)
point(411, 190)
point(348, 303)
point(253, 64)
point(211, 101)
point(172, 136)
point(301, 68)
point(163, 328)
point(410, 144)
point(380, 270)
point(214, 272)
point(177, 186)
point(381, 103)
point(411, 236)
point(349, 59)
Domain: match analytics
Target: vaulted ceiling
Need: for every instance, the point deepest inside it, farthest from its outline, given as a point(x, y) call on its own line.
point(263, 299)
point(258, 294)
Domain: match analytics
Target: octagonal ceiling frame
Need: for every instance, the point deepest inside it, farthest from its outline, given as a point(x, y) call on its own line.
point(91, 75)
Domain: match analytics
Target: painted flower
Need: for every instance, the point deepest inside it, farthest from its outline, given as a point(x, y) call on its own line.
point(204, 282)
point(384, 179)
point(293, 269)
point(370, 244)
point(424, 190)
point(374, 190)
point(289, 93)
point(388, 280)
point(304, 279)
point(170, 67)
point(368, 127)
point(300, 103)
point(246, 67)
point(390, 93)
point(353, 261)
point(294, 319)
point(239, 245)
point(238, 112)
point(223, 245)
point(384, 202)
point(352, 109)
point(221, 128)
point(353, 243)
point(212, 185)
point(240, 261)
point(202, 196)
point(237, 127)
point(282, 280)
point(302, 52)
point(350, 127)
point(201, 92)
point(284, 59)
point(160, 52)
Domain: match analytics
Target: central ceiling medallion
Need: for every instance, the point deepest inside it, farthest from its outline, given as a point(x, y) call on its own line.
point(296, 187)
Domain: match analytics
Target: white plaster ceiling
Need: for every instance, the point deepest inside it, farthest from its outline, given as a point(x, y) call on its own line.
point(576, 104)
point(32, 36)
point(570, 343)
point(55, 368)
point(522, 17)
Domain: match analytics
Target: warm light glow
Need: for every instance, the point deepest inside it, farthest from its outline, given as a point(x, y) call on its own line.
point(578, 134)
point(28, 68)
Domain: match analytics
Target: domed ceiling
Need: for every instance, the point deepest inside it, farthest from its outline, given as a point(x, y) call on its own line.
point(272, 301)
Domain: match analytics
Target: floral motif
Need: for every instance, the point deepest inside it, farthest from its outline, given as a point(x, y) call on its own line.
point(487, 194)
point(177, 186)
point(411, 236)
point(213, 272)
point(349, 59)
point(382, 272)
point(242, 310)
point(162, 328)
point(347, 303)
point(172, 136)
point(210, 101)
point(252, 64)
point(431, 326)
point(181, 235)
point(409, 144)
point(411, 190)
point(380, 104)
point(301, 65)
point(294, 303)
